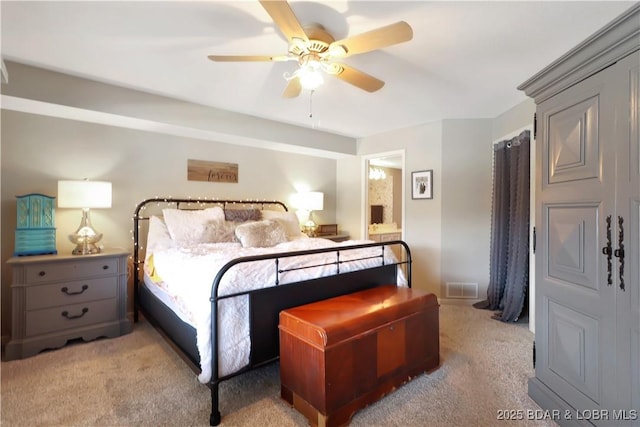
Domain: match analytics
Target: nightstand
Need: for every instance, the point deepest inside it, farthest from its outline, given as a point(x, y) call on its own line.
point(336, 237)
point(56, 298)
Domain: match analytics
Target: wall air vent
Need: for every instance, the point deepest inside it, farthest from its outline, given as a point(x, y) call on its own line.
point(462, 290)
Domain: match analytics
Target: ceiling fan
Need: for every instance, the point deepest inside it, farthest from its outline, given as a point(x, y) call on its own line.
point(316, 50)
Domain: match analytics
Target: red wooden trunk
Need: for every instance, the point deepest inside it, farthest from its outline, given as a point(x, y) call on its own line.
point(341, 354)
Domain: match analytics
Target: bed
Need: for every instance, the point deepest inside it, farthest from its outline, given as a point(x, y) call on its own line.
point(213, 275)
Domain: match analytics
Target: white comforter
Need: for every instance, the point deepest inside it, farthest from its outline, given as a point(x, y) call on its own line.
point(188, 272)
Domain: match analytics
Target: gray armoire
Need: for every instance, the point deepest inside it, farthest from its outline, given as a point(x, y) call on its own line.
point(587, 331)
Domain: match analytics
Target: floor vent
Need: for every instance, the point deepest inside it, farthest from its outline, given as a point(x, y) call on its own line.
point(462, 290)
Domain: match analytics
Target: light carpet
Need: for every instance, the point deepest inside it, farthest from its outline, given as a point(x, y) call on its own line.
point(137, 380)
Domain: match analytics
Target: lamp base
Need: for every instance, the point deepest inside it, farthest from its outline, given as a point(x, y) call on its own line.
point(310, 228)
point(87, 249)
point(85, 237)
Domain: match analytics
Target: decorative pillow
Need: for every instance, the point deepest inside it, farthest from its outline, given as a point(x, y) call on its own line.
point(289, 220)
point(150, 269)
point(242, 215)
point(158, 235)
point(194, 226)
point(261, 234)
point(220, 232)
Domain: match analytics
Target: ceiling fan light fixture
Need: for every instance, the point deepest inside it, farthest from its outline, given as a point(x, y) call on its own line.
point(310, 78)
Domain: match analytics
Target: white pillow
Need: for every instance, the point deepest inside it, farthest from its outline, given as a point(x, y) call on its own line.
point(261, 234)
point(158, 236)
point(289, 220)
point(194, 226)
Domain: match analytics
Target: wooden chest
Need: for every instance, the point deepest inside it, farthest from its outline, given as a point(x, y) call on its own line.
point(341, 354)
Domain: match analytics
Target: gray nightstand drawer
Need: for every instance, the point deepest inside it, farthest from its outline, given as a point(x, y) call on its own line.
point(71, 316)
point(49, 272)
point(66, 293)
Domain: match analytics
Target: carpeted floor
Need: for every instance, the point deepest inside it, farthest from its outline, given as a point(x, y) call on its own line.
point(137, 380)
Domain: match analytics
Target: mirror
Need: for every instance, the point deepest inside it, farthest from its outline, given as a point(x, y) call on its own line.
point(384, 196)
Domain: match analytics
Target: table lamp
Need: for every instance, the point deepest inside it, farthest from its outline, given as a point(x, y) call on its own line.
point(309, 202)
point(85, 195)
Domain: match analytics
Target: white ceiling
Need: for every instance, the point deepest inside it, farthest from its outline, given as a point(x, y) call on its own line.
point(465, 60)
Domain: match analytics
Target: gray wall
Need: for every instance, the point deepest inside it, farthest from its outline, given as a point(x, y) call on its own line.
point(466, 202)
point(422, 221)
point(439, 230)
point(513, 120)
point(37, 151)
point(449, 235)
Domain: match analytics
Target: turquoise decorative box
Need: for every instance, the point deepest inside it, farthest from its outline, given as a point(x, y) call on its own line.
point(35, 229)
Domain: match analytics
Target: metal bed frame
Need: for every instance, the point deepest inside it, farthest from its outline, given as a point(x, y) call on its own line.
point(265, 304)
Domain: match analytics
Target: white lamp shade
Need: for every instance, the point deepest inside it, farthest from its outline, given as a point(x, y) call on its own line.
point(310, 201)
point(84, 194)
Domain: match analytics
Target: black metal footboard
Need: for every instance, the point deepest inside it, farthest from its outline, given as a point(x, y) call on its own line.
point(265, 304)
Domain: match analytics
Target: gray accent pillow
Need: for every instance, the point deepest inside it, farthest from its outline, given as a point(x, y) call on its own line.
point(242, 215)
point(261, 234)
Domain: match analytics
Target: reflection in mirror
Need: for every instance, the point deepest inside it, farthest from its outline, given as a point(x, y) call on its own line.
point(376, 214)
point(384, 193)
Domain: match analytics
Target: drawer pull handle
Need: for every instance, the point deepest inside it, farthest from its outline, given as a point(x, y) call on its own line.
point(105, 267)
point(41, 274)
point(66, 290)
point(77, 316)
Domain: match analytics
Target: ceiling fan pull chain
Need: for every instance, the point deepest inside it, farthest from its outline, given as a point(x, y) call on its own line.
point(311, 104)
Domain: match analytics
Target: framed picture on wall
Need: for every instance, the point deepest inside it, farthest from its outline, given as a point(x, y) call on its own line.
point(422, 184)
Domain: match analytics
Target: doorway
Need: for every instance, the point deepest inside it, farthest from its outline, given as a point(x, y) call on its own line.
point(383, 202)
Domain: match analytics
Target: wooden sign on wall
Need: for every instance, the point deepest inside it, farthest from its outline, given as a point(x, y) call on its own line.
point(201, 170)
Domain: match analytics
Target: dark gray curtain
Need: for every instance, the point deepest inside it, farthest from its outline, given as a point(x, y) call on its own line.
point(509, 256)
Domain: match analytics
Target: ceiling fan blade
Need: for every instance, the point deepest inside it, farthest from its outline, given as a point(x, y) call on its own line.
point(285, 19)
point(293, 89)
point(357, 78)
point(249, 58)
point(374, 39)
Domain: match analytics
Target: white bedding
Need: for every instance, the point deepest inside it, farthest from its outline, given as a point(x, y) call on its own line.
point(187, 273)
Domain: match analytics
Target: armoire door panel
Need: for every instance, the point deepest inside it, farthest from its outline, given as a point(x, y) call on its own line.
point(573, 349)
point(628, 301)
point(572, 237)
point(573, 142)
point(573, 298)
point(627, 237)
point(633, 243)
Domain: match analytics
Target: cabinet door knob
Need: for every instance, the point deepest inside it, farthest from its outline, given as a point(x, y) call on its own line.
point(42, 273)
point(105, 267)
